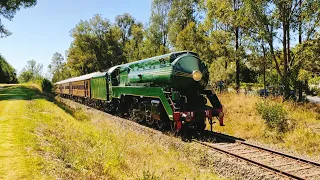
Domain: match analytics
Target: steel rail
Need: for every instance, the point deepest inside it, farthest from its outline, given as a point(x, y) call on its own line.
point(264, 166)
point(251, 161)
point(265, 149)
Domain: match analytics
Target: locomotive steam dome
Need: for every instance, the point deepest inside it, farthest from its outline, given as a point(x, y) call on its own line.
point(189, 72)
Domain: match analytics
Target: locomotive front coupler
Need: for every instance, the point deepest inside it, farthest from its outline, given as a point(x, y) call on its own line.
point(215, 113)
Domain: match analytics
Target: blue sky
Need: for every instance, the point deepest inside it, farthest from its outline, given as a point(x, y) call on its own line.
point(40, 31)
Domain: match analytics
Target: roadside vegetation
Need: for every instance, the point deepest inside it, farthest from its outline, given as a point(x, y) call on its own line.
point(44, 139)
point(7, 72)
point(292, 125)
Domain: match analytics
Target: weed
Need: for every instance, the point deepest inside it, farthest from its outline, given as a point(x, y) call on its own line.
point(299, 120)
point(147, 175)
point(274, 115)
point(303, 139)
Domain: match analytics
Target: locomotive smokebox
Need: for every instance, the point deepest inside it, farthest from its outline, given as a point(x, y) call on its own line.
point(189, 72)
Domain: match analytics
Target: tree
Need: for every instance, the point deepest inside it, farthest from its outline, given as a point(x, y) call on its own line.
point(125, 23)
point(191, 38)
point(182, 13)
point(8, 9)
point(134, 47)
point(95, 47)
point(229, 16)
point(7, 72)
point(272, 17)
point(56, 67)
point(159, 23)
point(32, 71)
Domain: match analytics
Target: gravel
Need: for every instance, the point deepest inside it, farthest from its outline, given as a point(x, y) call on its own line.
point(286, 151)
point(224, 165)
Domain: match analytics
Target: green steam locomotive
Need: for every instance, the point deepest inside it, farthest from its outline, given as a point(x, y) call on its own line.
point(170, 91)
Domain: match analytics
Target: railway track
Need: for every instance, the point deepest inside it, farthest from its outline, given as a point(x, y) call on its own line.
point(274, 161)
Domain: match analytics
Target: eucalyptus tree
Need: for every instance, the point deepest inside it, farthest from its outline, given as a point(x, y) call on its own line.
point(95, 46)
point(134, 47)
point(8, 9)
point(56, 67)
point(159, 24)
point(278, 20)
point(32, 71)
point(230, 17)
point(182, 13)
point(125, 23)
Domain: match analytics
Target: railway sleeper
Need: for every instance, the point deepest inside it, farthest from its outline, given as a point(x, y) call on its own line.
point(317, 173)
point(284, 164)
point(298, 168)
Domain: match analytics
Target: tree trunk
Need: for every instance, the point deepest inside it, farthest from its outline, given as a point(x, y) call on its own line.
point(300, 41)
point(285, 56)
point(237, 61)
point(264, 70)
point(237, 47)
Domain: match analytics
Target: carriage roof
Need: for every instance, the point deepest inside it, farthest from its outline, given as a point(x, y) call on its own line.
point(79, 78)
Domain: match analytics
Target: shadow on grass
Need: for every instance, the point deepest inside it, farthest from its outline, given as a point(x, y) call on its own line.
point(19, 92)
point(22, 92)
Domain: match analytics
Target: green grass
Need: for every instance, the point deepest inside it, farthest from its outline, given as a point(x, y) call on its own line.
point(41, 139)
point(18, 158)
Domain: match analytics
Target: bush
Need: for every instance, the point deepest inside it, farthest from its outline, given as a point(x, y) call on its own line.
point(274, 115)
point(46, 85)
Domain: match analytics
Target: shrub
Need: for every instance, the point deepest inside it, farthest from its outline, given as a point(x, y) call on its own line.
point(274, 115)
point(46, 85)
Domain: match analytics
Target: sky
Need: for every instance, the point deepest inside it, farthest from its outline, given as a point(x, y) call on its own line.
point(40, 31)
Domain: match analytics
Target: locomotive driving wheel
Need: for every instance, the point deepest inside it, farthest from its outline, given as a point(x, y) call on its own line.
point(173, 126)
point(160, 124)
point(149, 119)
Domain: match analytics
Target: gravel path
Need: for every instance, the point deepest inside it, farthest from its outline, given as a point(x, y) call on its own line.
point(224, 165)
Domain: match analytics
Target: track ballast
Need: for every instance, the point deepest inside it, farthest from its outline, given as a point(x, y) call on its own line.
point(274, 161)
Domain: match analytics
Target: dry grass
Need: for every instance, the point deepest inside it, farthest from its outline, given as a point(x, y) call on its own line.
point(101, 148)
point(243, 120)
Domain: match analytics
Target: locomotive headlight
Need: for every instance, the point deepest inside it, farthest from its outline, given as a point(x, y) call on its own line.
point(196, 75)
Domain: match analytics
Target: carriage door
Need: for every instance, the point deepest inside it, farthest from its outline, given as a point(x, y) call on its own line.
point(70, 89)
point(108, 86)
point(85, 89)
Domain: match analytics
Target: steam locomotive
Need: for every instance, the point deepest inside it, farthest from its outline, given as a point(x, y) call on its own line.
point(168, 91)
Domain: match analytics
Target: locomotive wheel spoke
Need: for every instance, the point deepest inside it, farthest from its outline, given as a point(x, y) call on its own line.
point(160, 124)
point(173, 126)
point(150, 121)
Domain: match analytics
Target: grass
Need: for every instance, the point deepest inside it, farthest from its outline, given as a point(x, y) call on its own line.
point(41, 139)
point(243, 120)
point(18, 160)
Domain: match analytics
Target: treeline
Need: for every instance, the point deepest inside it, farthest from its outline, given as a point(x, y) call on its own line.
point(7, 72)
point(238, 39)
